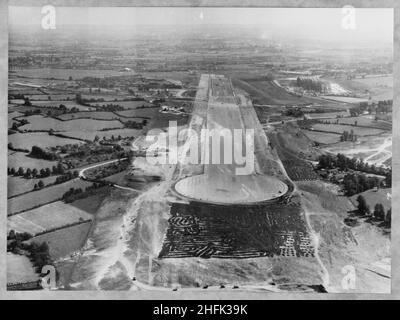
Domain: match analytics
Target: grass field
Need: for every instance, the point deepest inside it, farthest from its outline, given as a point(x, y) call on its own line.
point(322, 137)
point(364, 121)
point(327, 114)
point(20, 159)
point(20, 269)
point(38, 122)
point(340, 128)
point(53, 215)
point(17, 185)
point(265, 92)
point(92, 203)
point(65, 241)
point(36, 198)
point(102, 115)
point(373, 197)
point(141, 112)
point(40, 139)
point(380, 88)
point(17, 101)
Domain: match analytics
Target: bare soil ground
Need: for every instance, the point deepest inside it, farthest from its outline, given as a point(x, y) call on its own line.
point(364, 248)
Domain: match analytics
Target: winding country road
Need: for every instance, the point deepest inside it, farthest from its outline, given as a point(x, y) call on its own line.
point(83, 177)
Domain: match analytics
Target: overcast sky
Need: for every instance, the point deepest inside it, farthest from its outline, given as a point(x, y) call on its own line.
point(371, 24)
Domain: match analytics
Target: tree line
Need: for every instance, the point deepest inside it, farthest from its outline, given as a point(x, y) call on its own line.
point(378, 213)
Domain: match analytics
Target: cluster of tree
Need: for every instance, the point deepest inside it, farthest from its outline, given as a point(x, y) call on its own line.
point(356, 183)
point(16, 96)
point(64, 109)
point(293, 112)
point(383, 106)
point(135, 125)
point(75, 194)
point(109, 107)
point(310, 84)
point(18, 124)
point(67, 176)
point(28, 113)
point(330, 161)
point(348, 136)
point(108, 170)
point(35, 174)
point(15, 240)
point(27, 101)
point(378, 213)
point(39, 185)
point(38, 253)
point(39, 153)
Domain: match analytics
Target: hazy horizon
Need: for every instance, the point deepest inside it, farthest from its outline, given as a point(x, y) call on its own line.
point(372, 25)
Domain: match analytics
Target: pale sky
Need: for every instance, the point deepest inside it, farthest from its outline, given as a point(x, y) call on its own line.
point(371, 24)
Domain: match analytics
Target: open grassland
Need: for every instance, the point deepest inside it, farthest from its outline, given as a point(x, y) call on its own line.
point(380, 88)
point(20, 159)
point(48, 217)
point(267, 92)
point(386, 81)
point(18, 185)
point(360, 131)
point(372, 197)
point(16, 101)
point(20, 269)
point(40, 139)
point(38, 122)
point(156, 118)
point(141, 112)
point(43, 196)
point(368, 121)
point(65, 241)
point(23, 109)
point(325, 115)
point(322, 137)
point(92, 203)
point(100, 115)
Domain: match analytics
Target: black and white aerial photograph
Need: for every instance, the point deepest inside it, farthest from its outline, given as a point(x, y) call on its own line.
point(218, 150)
